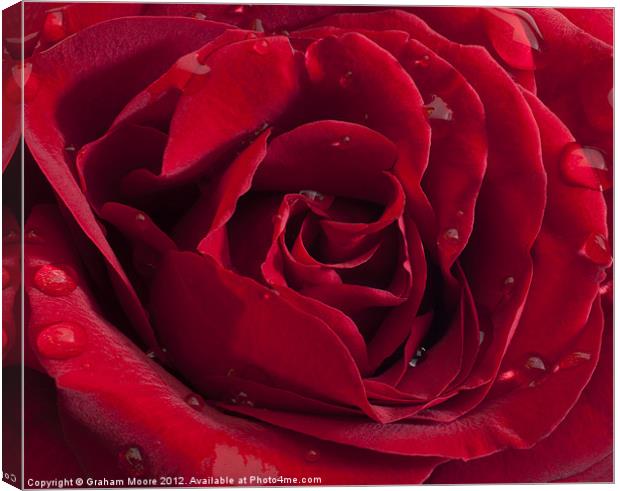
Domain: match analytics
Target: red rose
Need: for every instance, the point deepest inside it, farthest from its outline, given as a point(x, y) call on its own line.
point(370, 246)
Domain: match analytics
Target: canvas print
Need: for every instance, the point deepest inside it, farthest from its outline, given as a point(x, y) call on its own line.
point(306, 245)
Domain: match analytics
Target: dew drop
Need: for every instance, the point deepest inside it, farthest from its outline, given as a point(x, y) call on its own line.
point(199, 16)
point(596, 249)
point(345, 79)
point(312, 455)
point(507, 376)
point(238, 9)
point(61, 341)
point(423, 62)
point(261, 46)
point(6, 277)
point(140, 217)
point(32, 236)
point(151, 355)
point(572, 360)
point(10, 237)
point(257, 25)
point(131, 461)
point(342, 142)
point(438, 109)
point(451, 234)
point(54, 281)
point(23, 77)
point(585, 166)
point(535, 363)
point(481, 337)
point(605, 288)
point(242, 399)
point(54, 28)
point(70, 149)
point(311, 194)
point(419, 356)
point(195, 401)
point(515, 36)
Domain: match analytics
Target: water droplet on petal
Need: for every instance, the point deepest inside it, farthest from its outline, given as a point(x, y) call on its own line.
point(312, 455)
point(199, 16)
point(70, 149)
point(195, 401)
point(238, 9)
point(451, 234)
point(131, 461)
point(535, 363)
point(507, 375)
point(605, 288)
point(418, 357)
point(572, 360)
point(6, 277)
point(515, 36)
point(151, 355)
point(596, 249)
point(311, 194)
point(346, 79)
point(261, 46)
point(423, 62)
point(257, 25)
point(61, 341)
point(54, 281)
point(10, 236)
point(342, 142)
point(32, 236)
point(242, 399)
point(23, 77)
point(438, 109)
point(585, 166)
point(481, 337)
point(54, 28)
point(140, 217)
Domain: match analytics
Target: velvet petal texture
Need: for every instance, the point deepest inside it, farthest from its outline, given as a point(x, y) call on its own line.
point(80, 112)
point(95, 369)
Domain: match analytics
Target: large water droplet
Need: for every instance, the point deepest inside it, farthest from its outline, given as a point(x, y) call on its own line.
point(345, 79)
point(6, 277)
point(61, 341)
point(585, 166)
point(596, 249)
point(54, 28)
point(131, 461)
point(438, 109)
point(572, 360)
point(515, 36)
point(312, 455)
point(311, 194)
point(195, 401)
point(261, 46)
point(54, 281)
